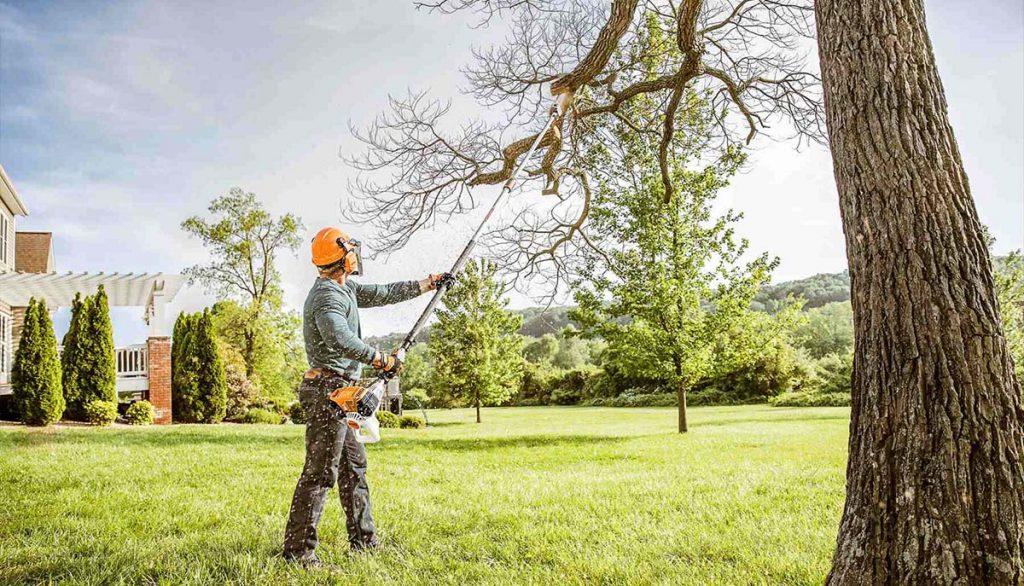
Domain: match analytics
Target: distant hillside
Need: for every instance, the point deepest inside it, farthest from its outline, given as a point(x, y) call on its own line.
point(537, 321)
point(821, 289)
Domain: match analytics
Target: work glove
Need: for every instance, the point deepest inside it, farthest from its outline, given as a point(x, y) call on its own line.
point(387, 363)
point(441, 280)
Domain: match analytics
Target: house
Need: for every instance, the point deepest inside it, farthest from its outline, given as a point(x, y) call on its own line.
point(27, 270)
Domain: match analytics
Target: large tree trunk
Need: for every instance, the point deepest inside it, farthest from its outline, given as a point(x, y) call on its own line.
point(935, 480)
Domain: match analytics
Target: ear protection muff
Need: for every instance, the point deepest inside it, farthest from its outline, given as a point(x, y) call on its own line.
point(353, 260)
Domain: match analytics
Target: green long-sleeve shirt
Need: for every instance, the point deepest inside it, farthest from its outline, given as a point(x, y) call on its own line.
point(330, 321)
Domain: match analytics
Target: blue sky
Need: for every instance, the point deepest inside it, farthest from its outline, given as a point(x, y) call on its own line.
point(120, 119)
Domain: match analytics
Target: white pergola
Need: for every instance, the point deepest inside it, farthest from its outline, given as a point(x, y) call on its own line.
point(151, 291)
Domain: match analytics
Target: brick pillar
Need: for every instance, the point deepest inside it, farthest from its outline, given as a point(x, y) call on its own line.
point(160, 377)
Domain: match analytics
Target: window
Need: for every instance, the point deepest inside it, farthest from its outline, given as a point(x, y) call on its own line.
point(5, 347)
point(5, 228)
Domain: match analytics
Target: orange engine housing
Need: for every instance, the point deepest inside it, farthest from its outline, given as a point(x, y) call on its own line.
point(347, 398)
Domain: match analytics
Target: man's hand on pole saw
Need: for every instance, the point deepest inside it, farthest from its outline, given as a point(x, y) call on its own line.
point(387, 363)
point(442, 280)
point(436, 281)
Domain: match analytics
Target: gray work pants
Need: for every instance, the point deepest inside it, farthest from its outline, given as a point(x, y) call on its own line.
point(332, 456)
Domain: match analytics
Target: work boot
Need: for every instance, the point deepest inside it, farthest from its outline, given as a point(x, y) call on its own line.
point(308, 561)
point(365, 546)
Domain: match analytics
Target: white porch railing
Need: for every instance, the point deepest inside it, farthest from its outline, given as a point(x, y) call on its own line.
point(132, 364)
point(132, 361)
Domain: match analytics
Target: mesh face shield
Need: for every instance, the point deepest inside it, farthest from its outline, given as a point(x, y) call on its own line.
point(353, 247)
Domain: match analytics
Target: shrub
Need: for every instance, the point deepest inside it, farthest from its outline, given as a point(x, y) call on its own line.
point(709, 396)
point(570, 388)
point(536, 385)
point(775, 369)
point(35, 375)
point(411, 422)
point(97, 371)
point(633, 398)
point(388, 419)
point(296, 413)
point(262, 416)
point(835, 373)
point(810, 399)
point(198, 379)
point(241, 392)
point(99, 412)
point(139, 413)
point(73, 346)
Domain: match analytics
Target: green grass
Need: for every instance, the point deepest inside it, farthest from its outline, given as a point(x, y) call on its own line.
point(752, 495)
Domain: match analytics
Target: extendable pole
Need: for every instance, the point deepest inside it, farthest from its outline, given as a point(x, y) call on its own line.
point(561, 104)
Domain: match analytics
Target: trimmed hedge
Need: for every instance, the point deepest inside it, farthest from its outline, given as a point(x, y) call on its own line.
point(99, 412)
point(139, 413)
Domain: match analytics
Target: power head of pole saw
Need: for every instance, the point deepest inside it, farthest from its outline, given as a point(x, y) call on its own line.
point(359, 405)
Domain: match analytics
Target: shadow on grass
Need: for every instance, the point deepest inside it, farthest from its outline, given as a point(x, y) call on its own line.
point(503, 443)
point(150, 438)
point(769, 420)
point(215, 436)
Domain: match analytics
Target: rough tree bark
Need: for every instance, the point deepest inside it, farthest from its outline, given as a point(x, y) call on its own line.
point(935, 480)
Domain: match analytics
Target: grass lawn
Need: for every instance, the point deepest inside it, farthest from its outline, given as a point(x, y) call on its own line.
point(752, 495)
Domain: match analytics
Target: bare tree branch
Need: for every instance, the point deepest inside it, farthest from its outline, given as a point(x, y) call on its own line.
point(747, 58)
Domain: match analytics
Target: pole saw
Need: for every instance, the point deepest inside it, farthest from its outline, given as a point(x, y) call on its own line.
point(360, 404)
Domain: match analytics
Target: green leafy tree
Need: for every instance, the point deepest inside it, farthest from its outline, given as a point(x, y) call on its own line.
point(826, 330)
point(475, 347)
point(573, 352)
point(96, 370)
point(541, 350)
point(244, 239)
point(71, 357)
point(35, 375)
point(755, 358)
point(419, 368)
point(667, 276)
point(279, 356)
point(1009, 276)
point(198, 377)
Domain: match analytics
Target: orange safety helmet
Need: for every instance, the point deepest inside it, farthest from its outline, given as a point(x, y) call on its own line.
point(332, 246)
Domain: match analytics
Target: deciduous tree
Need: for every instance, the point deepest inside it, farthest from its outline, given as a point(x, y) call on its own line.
point(746, 57)
point(475, 345)
point(244, 240)
point(935, 480)
point(666, 280)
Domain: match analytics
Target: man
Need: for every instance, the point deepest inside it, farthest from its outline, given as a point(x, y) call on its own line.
point(330, 324)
